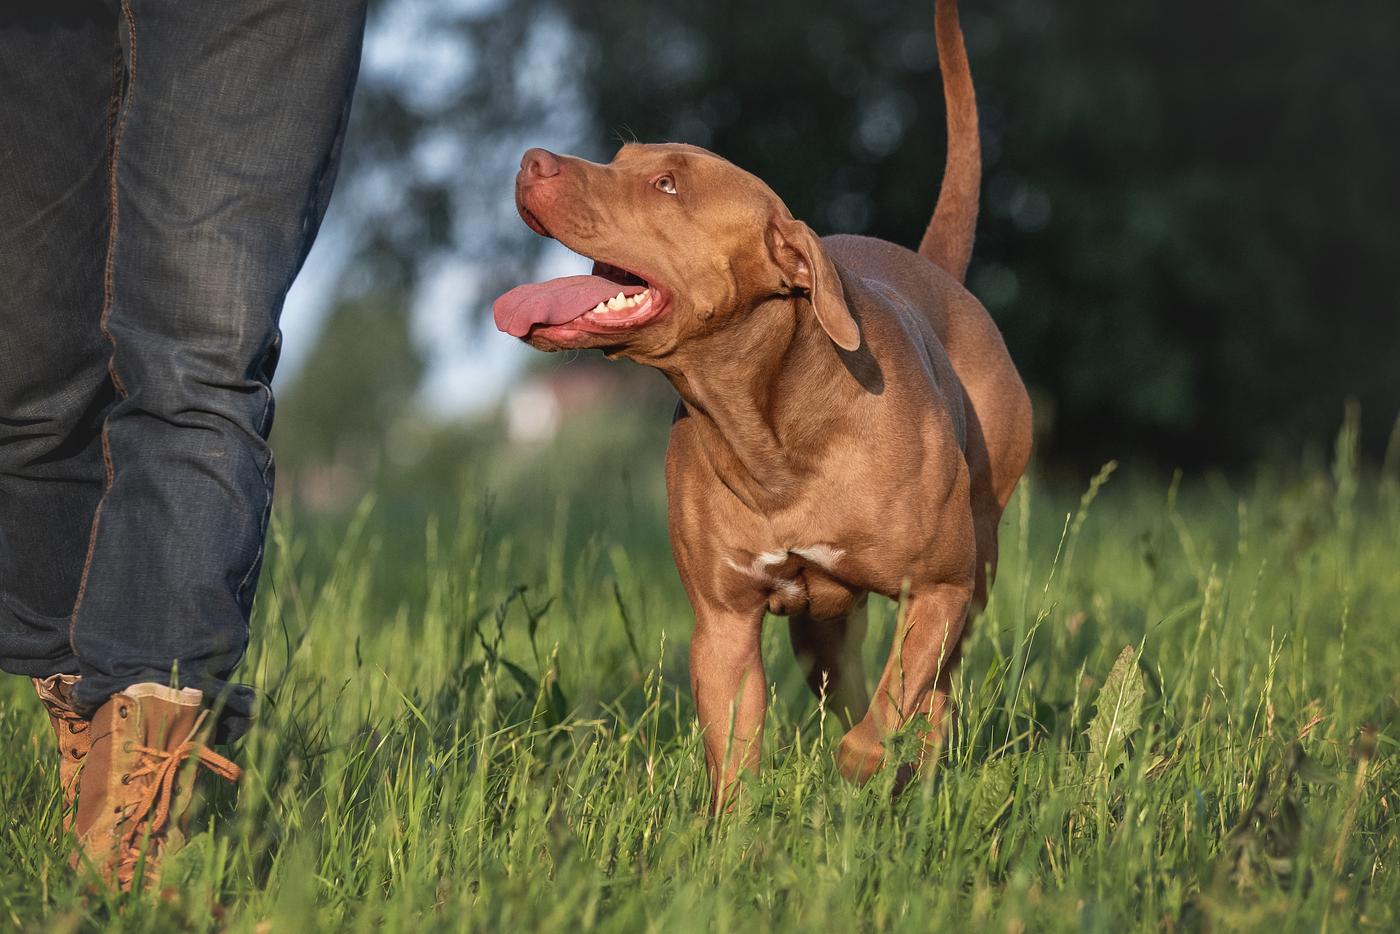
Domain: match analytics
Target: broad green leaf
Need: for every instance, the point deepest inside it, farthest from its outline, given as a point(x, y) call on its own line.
point(992, 794)
point(1117, 714)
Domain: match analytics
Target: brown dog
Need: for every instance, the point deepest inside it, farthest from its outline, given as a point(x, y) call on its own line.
point(850, 420)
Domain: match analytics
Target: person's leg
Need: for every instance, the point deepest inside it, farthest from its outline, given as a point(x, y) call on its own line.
point(57, 91)
point(225, 152)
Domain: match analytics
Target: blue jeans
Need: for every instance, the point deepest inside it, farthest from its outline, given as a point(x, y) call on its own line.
point(164, 167)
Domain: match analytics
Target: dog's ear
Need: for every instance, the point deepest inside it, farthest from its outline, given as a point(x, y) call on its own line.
point(799, 255)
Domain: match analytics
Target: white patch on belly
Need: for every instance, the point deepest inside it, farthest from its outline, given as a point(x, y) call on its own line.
point(758, 571)
point(788, 588)
point(824, 555)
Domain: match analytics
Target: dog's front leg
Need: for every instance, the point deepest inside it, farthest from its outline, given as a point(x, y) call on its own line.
point(916, 680)
point(731, 696)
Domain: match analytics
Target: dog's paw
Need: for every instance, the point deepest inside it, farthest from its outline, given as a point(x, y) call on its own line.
point(860, 754)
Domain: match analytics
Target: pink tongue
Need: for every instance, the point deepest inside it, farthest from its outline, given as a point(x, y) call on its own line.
point(554, 302)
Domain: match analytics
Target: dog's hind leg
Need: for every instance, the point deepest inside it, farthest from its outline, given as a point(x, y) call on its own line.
point(829, 652)
point(916, 682)
point(986, 508)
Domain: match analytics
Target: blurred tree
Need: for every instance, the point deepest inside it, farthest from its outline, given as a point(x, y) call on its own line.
point(448, 94)
point(1187, 226)
point(358, 382)
point(1210, 277)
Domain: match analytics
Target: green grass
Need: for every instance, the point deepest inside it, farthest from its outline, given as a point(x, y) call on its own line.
point(442, 749)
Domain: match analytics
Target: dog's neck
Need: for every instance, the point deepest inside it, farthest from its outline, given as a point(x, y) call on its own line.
point(768, 394)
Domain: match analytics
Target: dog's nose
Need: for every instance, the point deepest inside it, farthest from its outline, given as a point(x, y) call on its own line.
point(538, 163)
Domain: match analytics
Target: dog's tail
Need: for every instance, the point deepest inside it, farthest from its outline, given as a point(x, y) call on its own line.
point(948, 240)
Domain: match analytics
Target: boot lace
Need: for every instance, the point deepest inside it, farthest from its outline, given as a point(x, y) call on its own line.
point(61, 710)
point(149, 814)
point(74, 721)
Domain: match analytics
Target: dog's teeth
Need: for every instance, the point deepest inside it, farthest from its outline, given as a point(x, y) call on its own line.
point(621, 302)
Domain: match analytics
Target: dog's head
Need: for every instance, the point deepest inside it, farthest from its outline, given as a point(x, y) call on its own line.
point(683, 244)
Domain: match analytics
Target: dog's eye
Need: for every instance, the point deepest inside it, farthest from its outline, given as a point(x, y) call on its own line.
point(666, 183)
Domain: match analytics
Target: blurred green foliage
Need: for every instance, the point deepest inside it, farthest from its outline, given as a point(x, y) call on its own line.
point(360, 380)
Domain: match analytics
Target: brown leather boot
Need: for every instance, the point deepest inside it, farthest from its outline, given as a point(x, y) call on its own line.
point(137, 785)
point(72, 731)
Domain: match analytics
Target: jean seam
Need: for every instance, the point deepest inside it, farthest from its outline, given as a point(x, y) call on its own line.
point(109, 293)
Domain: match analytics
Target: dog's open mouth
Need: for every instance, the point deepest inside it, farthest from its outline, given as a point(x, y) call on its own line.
point(610, 300)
